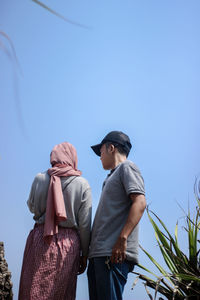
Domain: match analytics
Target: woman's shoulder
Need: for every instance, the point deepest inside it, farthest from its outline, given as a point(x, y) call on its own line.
point(82, 181)
point(42, 177)
point(77, 182)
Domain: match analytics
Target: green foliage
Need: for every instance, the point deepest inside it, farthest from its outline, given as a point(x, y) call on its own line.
point(182, 281)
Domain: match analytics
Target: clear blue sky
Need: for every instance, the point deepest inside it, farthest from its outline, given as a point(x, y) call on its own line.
point(137, 69)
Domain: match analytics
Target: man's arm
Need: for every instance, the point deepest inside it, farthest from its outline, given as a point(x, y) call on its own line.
point(134, 216)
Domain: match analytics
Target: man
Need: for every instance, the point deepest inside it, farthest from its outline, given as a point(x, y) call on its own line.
point(114, 242)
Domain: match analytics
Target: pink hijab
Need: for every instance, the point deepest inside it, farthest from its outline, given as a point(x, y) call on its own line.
point(63, 159)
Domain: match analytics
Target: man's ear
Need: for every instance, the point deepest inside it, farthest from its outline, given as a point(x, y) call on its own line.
point(112, 148)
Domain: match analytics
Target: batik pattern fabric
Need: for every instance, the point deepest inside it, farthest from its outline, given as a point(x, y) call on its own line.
point(49, 272)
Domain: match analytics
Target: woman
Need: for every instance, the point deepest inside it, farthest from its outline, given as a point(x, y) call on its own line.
point(57, 248)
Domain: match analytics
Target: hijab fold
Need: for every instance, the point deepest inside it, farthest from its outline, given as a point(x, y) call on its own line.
point(64, 160)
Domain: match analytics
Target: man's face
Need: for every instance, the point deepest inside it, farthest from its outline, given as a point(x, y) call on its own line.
point(106, 157)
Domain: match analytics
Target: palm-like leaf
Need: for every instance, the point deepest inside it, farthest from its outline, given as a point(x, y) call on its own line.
point(59, 15)
point(8, 48)
point(182, 281)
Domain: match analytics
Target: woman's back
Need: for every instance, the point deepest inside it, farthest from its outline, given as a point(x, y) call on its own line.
point(57, 248)
point(77, 198)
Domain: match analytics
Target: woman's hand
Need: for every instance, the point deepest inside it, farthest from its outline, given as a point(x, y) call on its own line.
point(82, 264)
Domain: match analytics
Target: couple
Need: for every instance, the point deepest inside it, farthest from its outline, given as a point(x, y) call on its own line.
point(58, 247)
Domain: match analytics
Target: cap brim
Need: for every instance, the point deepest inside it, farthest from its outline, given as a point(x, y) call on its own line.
point(96, 149)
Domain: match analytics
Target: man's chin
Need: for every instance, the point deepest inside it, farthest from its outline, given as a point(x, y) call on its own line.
point(106, 168)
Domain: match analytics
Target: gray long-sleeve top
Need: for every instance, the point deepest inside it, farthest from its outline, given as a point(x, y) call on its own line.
point(78, 204)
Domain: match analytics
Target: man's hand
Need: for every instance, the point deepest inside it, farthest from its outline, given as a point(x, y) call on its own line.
point(82, 264)
point(136, 211)
point(119, 250)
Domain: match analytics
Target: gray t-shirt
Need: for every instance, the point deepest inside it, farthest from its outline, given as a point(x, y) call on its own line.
point(113, 210)
point(78, 204)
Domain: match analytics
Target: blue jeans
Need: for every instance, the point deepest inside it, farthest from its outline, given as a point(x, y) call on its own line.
point(106, 281)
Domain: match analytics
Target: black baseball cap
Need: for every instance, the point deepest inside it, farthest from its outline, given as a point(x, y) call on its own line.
point(117, 137)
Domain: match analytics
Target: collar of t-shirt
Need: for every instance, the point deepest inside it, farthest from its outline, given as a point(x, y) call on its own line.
point(111, 172)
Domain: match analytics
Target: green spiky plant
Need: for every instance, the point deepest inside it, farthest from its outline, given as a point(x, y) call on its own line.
point(181, 280)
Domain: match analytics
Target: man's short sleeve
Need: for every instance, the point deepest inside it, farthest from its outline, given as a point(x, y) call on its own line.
point(132, 179)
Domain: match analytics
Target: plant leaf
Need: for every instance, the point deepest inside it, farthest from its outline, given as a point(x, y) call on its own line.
point(59, 15)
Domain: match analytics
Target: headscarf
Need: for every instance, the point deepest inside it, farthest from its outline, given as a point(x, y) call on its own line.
point(63, 159)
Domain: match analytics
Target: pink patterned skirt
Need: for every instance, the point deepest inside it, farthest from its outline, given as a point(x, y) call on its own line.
point(49, 272)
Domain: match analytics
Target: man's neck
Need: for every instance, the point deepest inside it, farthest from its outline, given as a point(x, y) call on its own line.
point(118, 159)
